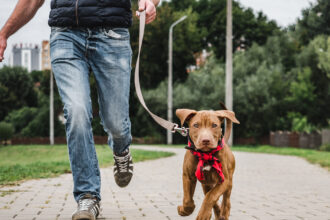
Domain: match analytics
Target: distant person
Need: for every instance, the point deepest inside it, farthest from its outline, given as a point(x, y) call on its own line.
point(89, 36)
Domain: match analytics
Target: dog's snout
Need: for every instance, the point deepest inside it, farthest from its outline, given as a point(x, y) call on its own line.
point(206, 141)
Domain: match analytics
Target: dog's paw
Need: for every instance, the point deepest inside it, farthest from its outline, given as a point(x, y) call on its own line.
point(185, 210)
point(217, 212)
point(206, 216)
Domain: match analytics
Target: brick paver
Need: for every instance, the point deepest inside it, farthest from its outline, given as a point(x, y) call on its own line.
point(265, 187)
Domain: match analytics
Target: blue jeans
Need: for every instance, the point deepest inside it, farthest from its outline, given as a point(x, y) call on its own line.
point(75, 52)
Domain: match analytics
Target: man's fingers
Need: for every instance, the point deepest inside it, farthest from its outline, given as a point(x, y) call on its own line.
point(153, 14)
point(142, 5)
point(151, 18)
point(150, 9)
point(2, 50)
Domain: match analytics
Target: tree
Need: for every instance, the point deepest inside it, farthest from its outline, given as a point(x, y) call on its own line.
point(312, 87)
point(315, 21)
point(37, 75)
point(279, 82)
point(154, 56)
point(187, 41)
point(203, 89)
point(247, 27)
point(16, 90)
point(180, 5)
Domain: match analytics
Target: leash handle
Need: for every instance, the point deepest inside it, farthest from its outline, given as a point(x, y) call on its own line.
point(162, 122)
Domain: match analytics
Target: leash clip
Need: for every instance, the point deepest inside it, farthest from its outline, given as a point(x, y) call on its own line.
point(183, 131)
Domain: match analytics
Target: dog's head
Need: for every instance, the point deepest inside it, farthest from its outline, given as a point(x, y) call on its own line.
point(205, 126)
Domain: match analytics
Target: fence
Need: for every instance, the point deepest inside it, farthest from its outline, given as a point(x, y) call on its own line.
point(299, 140)
point(278, 138)
point(62, 140)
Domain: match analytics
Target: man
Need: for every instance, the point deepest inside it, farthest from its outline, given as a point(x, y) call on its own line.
point(89, 36)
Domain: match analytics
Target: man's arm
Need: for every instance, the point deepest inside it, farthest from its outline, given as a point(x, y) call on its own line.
point(156, 2)
point(22, 14)
point(150, 7)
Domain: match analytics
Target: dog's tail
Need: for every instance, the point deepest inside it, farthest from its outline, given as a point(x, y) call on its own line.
point(229, 124)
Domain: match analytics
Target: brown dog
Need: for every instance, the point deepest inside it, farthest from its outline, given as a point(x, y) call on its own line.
point(206, 134)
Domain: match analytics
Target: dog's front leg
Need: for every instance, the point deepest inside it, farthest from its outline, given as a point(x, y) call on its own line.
point(211, 199)
point(216, 207)
point(189, 184)
point(225, 205)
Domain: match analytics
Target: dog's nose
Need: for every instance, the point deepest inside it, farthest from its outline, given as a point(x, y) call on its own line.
point(205, 141)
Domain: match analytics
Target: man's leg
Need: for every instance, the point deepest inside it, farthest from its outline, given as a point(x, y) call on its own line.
point(72, 77)
point(110, 58)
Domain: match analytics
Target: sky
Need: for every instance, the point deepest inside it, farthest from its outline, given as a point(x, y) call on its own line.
point(284, 12)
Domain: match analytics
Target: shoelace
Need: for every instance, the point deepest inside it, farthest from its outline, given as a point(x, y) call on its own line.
point(122, 163)
point(85, 204)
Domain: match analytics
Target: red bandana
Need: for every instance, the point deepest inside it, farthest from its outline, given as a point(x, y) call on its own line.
point(206, 157)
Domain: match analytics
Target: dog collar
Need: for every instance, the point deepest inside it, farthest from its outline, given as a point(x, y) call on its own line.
point(206, 157)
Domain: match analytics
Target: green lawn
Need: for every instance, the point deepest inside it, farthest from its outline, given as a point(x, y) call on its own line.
point(40, 161)
point(314, 156)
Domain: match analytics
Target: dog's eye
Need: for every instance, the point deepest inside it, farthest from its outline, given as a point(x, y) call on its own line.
point(196, 125)
point(214, 125)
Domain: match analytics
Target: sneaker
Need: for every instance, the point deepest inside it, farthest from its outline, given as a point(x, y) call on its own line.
point(123, 168)
point(88, 208)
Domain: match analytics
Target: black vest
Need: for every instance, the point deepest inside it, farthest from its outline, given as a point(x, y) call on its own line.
point(90, 13)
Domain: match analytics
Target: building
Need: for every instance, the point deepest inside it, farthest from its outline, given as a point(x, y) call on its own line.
point(26, 56)
point(45, 55)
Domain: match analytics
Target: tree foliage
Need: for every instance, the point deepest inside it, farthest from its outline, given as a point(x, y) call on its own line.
point(281, 78)
point(276, 87)
point(22, 117)
point(203, 89)
point(16, 90)
point(248, 26)
point(186, 41)
point(313, 75)
point(315, 21)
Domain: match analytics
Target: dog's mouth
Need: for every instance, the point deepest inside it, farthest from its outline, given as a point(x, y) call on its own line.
point(206, 146)
point(203, 143)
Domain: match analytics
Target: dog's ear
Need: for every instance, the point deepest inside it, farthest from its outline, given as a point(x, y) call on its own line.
point(185, 114)
point(227, 114)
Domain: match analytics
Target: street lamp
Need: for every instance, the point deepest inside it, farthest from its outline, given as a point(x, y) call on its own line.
point(170, 78)
point(229, 63)
point(51, 110)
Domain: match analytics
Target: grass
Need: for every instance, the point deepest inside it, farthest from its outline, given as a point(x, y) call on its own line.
point(314, 156)
point(24, 162)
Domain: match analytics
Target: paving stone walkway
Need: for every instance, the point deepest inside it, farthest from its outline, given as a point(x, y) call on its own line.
point(265, 187)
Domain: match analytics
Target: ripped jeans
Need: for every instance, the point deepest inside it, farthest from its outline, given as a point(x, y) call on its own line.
point(75, 52)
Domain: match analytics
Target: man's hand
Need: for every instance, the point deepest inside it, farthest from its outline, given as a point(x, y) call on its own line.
point(3, 45)
point(23, 12)
point(150, 8)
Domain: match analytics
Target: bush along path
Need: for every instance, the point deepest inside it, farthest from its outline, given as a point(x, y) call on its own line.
point(265, 187)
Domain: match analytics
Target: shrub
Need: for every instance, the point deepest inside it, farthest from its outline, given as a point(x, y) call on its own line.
point(325, 147)
point(6, 131)
point(300, 124)
point(21, 118)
